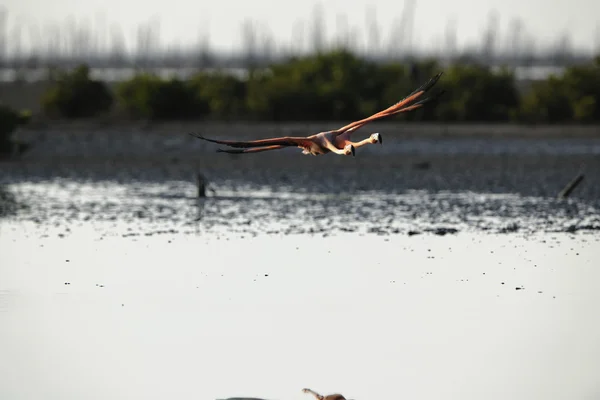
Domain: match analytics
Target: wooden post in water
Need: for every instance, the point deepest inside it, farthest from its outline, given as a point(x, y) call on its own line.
point(570, 187)
point(201, 183)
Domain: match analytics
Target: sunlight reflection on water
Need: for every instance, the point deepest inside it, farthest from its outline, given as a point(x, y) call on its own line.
point(148, 207)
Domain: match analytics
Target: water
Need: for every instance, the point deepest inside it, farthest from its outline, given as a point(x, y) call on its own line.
point(423, 269)
point(140, 208)
point(202, 316)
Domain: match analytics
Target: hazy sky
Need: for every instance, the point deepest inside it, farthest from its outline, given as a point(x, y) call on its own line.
point(182, 20)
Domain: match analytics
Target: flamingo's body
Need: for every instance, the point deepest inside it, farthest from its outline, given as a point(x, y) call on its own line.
point(336, 141)
point(336, 396)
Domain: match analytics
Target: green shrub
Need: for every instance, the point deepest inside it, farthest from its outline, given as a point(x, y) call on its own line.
point(225, 95)
point(134, 95)
point(476, 93)
point(148, 96)
point(9, 121)
point(75, 95)
point(583, 87)
point(332, 86)
point(547, 101)
point(572, 97)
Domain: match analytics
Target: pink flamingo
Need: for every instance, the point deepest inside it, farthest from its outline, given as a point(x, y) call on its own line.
point(336, 141)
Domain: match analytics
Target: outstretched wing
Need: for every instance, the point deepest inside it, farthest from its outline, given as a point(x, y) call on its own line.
point(251, 150)
point(281, 141)
point(399, 107)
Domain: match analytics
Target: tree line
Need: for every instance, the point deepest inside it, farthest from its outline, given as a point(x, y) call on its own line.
point(331, 86)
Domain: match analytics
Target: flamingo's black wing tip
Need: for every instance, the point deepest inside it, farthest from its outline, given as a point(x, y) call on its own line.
point(431, 99)
point(196, 135)
point(430, 83)
point(232, 151)
point(436, 78)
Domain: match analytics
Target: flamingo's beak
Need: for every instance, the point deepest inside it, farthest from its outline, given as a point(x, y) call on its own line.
point(380, 139)
point(352, 150)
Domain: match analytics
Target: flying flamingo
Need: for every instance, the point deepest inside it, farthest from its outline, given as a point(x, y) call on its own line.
point(336, 396)
point(336, 141)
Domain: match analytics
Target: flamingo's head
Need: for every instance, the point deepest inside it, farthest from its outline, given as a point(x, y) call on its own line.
point(376, 138)
point(349, 149)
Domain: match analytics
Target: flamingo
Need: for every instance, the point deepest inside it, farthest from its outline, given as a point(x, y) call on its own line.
point(336, 141)
point(336, 396)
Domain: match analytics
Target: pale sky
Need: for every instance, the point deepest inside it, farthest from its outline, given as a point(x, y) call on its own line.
point(182, 21)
